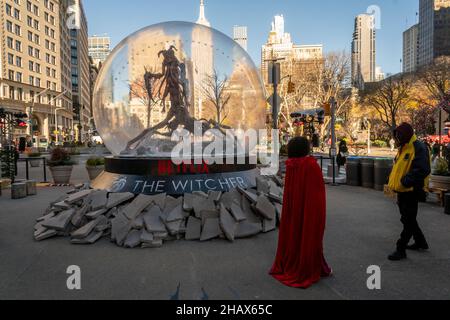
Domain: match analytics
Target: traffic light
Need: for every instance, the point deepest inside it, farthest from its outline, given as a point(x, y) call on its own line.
point(327, 109)
point(291, 87)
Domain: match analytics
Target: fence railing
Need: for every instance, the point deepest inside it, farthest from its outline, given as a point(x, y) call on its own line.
point(27, 166)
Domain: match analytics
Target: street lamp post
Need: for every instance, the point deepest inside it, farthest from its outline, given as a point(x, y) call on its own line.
point(56, 115)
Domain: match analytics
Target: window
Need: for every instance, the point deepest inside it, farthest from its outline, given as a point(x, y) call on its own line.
point(48, 71)
point(38, 68)
point(37, 53)
point(29, 21)
point(37, 40)
point(29, 6)
point(11, 75)
point(35, 10)
point(19, 76)
point(31, 66)
point(53, 73)
point(30, 36)
point(18, 46)
point(31, 80)
point(10, 58)
point(19, 62)
point(9, 26)
point(30, 51)
point(10, 42)
point(8, 10)
point(38, 82)
point(17, 14)
point(36, 24)
point(17, 30)
point(20, 94)
point(11, 93)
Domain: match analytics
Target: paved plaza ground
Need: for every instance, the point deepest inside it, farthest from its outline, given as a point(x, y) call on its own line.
point(362, 228)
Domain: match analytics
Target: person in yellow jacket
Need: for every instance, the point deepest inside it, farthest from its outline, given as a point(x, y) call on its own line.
point(408, 178)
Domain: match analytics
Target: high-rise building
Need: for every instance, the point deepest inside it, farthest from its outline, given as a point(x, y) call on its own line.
point(434, 30)
point(99, 48)
point(379, 74)
point(298, 59)
point(363, 50)
point(240, 36)
point(34, 67)
point(202, 59)
point(410, 48)
point(80, 76)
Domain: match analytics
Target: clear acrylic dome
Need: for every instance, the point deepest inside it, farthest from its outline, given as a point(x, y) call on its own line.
point(169, 76)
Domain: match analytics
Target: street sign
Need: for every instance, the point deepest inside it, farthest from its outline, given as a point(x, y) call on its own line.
point(270, 100)
point(333, 152)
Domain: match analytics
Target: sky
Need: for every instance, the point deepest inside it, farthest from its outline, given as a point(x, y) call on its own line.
point(327, 22)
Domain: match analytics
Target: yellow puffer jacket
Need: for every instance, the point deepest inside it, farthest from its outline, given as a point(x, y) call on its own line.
point(404, 176)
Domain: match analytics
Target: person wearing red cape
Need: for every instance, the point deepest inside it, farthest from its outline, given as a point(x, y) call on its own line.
point(300, 261)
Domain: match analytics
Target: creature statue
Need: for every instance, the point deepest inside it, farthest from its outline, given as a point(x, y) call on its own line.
point(174, 83)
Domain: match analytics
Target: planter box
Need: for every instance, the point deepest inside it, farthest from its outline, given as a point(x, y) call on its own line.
point(440, 182)
point(61, 174)
point(94, 172)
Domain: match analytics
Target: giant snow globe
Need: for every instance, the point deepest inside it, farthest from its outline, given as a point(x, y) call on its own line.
point(175, 75)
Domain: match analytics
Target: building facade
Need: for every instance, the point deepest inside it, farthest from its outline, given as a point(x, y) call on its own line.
point(240, 36)
point(34, 69)
point(298, 59)
point(80, 77)
point(99, 48)
point(363, 51)
point(434, 30)
point(410, 49)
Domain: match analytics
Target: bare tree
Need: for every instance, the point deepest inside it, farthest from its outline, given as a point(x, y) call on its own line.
point(389, 97)
point(139, 90)
point(436, 78)
point(216, 91)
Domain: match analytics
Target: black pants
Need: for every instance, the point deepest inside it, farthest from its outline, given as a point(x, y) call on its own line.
point(409, 207)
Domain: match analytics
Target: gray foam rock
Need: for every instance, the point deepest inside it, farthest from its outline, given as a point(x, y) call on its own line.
point(171, 204)
point(200, 194)
point(248, 211)
point(211, 230)
point(194, 229)
point(159, 200)
point(215, 196)
point(160, 235)
point(209, 215)
point(154, 244)
point(174, 227)
point(133, 239)
point(99, 200)
point(61, 221)
point(46, 217)
point(176, 214)
point(262, 184)
point(46, 235)
point(120, 226)
point(265, 208)
point(269, 225)
point(147, 237)
point(116, 199)
point(86, 230)
point(201, 204)
point(228, 198)
point(62, 205)
point(237, 212)
point(227, 223)
point(153, 222)
point(247, 229)
point(138, 205)
point(188, 202)
point(252, 197)
point(95, 214)
point(73, 198)
point(90, 239)
point(138, 223)
point(279, 211)
point(77, 218)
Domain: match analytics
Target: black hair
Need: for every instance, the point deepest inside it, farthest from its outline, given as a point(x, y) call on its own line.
point(298, 147)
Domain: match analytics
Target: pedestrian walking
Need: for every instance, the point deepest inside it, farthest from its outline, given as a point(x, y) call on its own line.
point(342, 155)
point(300, 261)
point(408, 179)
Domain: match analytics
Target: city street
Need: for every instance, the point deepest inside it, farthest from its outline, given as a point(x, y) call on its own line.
point(362, 228)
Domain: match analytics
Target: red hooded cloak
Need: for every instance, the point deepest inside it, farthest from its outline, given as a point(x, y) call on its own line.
point(300, 262)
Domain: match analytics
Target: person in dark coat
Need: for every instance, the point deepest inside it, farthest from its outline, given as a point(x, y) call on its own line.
point(409, 180)
point(342, 155)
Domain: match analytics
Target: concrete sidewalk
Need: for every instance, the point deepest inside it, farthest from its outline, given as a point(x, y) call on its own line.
point(362, 229)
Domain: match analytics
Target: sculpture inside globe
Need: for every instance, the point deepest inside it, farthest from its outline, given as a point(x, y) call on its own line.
point(176, 76)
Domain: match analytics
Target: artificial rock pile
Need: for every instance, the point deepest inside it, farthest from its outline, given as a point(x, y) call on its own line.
point(87, 215)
